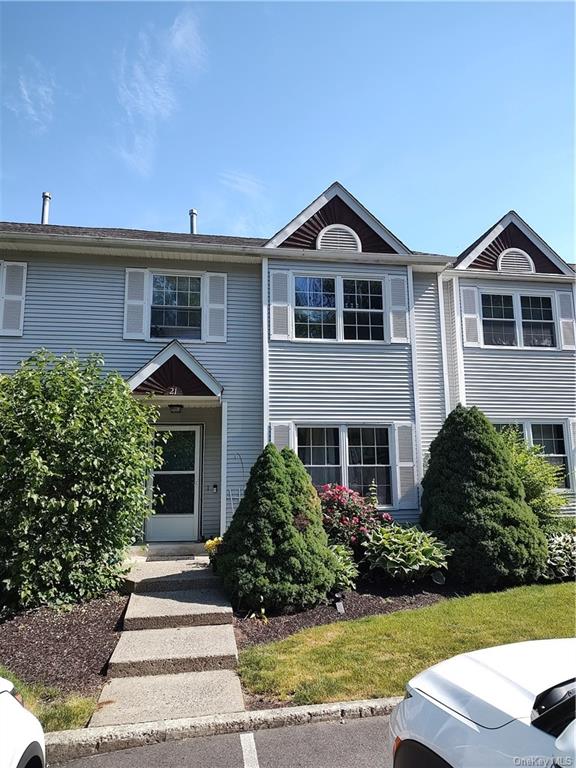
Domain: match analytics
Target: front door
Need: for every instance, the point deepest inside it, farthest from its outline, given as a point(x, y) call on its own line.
point(178, 483)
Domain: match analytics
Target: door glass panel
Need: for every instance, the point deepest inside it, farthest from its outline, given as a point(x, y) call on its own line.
point(177, 492)
point(179, 452)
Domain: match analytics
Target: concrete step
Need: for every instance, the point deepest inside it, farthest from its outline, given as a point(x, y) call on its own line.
point(181, 608)
point(169, 575)
point(188, 694)
point(180, 649)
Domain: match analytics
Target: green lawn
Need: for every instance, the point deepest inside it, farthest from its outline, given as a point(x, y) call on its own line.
point(57, 711)
point(376, 656)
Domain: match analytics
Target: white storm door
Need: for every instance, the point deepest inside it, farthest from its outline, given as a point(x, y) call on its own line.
point(178, 482)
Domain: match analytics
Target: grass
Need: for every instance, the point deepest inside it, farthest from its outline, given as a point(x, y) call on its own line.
point(57, 711)
point(376, 656)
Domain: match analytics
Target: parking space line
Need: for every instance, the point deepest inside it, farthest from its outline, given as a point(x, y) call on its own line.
point(249, 750)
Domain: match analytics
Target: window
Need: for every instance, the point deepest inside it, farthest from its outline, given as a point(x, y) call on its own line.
point(369, 461)
point(319, 451)
point(176, 307)
point(512, 320)
point(551, 438)
point(363, 310)
point(498, 321)
point(315, 308)
point(538, 328)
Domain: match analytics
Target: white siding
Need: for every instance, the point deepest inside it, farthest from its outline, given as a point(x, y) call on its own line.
point(428, 358)
point(78, 305)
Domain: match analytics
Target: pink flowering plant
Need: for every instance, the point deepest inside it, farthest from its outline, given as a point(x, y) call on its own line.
point(348, 517)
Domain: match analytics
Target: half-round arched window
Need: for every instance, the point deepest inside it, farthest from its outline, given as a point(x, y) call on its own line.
point(338, 237)
point(515, 261)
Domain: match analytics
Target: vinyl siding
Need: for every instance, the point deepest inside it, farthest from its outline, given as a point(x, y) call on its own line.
point(428, 358)
point(77, 305)
point(341, 382)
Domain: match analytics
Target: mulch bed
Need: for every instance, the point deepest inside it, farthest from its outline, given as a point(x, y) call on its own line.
point(67, 649)
point(370, 600)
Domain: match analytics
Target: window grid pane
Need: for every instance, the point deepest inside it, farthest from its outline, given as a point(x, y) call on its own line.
point(363, 310)
point(498, 322)
point(176, 307)
point(369, 460)
point(319, 451)
point(315, 308)
point(551, 438)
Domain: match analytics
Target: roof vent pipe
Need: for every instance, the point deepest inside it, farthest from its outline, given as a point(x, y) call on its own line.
point(46, 197)
point(193, 213)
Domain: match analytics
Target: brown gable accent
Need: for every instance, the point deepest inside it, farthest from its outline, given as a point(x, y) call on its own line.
point(513, 237)
point(336, 212)
point(173, 378)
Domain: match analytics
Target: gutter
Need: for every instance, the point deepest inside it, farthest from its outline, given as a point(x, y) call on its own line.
point(173, 249)
point(487, 274)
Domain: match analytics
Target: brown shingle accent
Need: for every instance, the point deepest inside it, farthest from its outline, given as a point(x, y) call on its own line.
point(336, 211)
point(174, 378)
point(513, 237)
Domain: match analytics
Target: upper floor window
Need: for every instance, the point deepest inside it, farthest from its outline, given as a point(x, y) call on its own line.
point(521, 319)
point(327, 307)
point(176, 310)
point(315, 308)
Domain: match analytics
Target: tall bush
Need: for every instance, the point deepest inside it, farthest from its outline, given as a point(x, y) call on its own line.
point(76, 451)
point(539, 478)
point(474, 501)
point(274, 555)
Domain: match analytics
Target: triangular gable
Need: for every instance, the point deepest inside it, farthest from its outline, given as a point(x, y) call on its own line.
point(512, 232)
point(174, 371)
point(337, 206)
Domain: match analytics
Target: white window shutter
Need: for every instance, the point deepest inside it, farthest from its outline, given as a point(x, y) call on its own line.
point(216, 307)
point(12, 295)
point(280, 308)
point(398, 308)
point(135, 304)
point(406, 467)
point(566, 317)
point(470, 311)
point(282, 434)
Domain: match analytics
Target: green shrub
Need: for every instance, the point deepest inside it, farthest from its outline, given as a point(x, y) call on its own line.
point(539, 478)
point(474, 501)
point(346, 568)
point(406, 554)
point(76, 452)
point(561, 563)
point(274, 555)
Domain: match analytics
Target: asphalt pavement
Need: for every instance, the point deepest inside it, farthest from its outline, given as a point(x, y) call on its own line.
point(361, 743)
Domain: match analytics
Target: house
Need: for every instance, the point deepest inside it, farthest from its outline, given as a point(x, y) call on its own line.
point(332, 337)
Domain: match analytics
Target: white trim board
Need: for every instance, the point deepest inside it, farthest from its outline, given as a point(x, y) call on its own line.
point(513, 218)
point(175, 348)
point(337, 190)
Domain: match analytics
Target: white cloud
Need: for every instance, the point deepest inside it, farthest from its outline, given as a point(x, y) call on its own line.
point(244, 183)
point(247, 209)
point(147, 84)
point(33, 97)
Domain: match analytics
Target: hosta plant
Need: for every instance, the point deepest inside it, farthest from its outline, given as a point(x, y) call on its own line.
point(348, 517)
point(406, 554)
point(346, 568)
point(561, 564)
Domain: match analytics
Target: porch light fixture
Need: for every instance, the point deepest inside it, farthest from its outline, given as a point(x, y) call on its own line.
point(175, 408)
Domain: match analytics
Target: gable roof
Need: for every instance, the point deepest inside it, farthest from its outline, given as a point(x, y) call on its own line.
point(174, 368)
point(511, 231)
point(336, 202)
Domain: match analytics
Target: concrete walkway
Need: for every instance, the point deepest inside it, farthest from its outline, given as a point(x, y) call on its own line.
point(177, 654)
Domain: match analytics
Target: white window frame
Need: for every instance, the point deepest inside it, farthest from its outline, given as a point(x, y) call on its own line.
point(526, 426)
point(516, 294)
point(339, 308)
point(343, 433)
point(203, 305)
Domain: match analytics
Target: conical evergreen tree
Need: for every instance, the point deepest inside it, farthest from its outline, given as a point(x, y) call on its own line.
point(474, 501)
point(264, 560)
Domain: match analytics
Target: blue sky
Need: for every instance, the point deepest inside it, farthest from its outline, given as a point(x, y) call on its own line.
point(439, 117)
